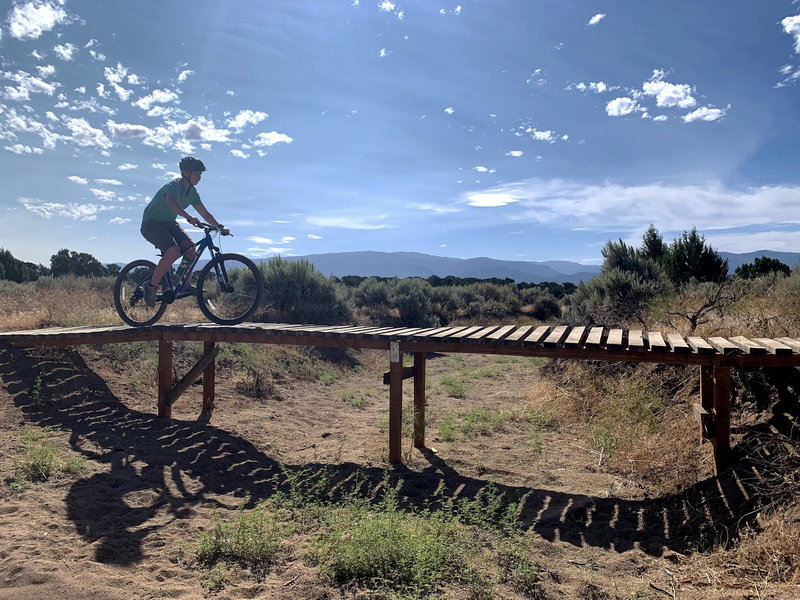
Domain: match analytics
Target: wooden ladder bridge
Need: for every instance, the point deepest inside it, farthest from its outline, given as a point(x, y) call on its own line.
point(714, 356)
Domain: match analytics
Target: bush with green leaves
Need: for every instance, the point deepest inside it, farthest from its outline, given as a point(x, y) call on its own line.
point(411, 299)
point(762, 265)
point(613, 299)
point(296, 292)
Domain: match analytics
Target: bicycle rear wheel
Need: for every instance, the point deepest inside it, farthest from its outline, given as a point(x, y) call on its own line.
point(229, 289)
point(129, 294)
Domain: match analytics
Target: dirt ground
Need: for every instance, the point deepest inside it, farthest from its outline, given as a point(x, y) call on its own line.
point(124, 529)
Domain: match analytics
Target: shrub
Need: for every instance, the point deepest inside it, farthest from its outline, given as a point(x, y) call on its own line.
point(410, 297)
point(298, 293)
point(612, 299)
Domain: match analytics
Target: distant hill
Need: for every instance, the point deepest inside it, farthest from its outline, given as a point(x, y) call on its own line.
point(737, 260)
point(415, 264)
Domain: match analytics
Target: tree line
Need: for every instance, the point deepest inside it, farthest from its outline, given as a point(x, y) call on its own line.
point(64, 262)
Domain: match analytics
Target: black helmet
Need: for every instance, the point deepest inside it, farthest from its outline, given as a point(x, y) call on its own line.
point(190, 163)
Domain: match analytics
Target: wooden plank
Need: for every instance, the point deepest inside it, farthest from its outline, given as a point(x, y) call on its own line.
point(721, 441)
point(614, 341)
point(518, 335)
point(656, 342)
point(209, 380)
point(480, 335)
point(677, 343)
point(723, 345)
point(699, 345)
point(635, 340)
point(426, 334)
point(774, 346)
point(748, 346)
point(419, 399)
point(188, 379)
point(575, 337)
point(447, 332)
point(465, 332)
point(792, 343)
point(595, 337)
point(539, 334)
point(501, 333)
point(395, 402)
point(164, 377)
point(556, 336)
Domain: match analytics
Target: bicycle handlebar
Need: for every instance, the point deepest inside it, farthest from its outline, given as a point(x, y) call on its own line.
point(208, 228)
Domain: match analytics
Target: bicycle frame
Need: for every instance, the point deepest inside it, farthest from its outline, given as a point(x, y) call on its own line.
point(171, 293)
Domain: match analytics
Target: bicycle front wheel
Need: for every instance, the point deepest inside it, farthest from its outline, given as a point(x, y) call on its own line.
point(129, 294)
point(229, 289)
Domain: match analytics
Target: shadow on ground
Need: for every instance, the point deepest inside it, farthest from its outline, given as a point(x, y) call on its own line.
point(158, 464)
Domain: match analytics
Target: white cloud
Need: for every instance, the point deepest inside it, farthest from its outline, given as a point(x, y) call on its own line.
point(109, 181)
point(21, 149)
point(596, 19)
point(457, 10)
point(490, 199)
point(98, 56)
point(201, 130)
point(104, 195)
point(127, 167)
point(70, 210)
point(620, 106)
point(76, 179)
point(612, 207)
point(263, 240)
point(313, 236)
point(598, 87)
point(271, 138)
point(184, 75)
point(791, 25)
point(660, 118)
point(239, 154)
point(156, 97)
point(84, 134)
point(449, 110)
point(246, 117)
point(127, 130)
point(668, 94)
point(514, 153)
point(264, 252)
point(705, 113)
point(386, 6)
point(46, 71)
point(26, 84)
point(30, 20)
point(435, 208)
point(65, 52)
point(348, 222)
point(118, 221)
point(384, 52)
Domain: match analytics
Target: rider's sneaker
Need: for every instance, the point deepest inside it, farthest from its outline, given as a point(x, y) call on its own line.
point(150, 292)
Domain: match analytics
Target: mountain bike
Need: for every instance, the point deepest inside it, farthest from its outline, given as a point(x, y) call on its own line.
point(229, 286)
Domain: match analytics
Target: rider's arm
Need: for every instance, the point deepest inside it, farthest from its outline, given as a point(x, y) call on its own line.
point(206, 215)
point(172, 202)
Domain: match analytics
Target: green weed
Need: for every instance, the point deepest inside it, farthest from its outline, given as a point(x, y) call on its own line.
point(41, 460)
point(453, 387)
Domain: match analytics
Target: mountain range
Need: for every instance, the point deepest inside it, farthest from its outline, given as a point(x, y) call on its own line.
point(416, 264)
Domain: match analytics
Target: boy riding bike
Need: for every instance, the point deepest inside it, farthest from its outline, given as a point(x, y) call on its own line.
point(159, 226)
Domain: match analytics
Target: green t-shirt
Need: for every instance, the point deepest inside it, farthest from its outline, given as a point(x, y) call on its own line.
point(159, 210)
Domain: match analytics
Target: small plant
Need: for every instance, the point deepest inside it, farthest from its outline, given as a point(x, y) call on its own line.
point(518, 570)
point(252, 539)
point(38, 394)
point(327, 375)
point(215, 578)
point(452, 386)
point(355, 400)
point(41, 460)
point(447, 429)
point(482, 420)
point(386, 548)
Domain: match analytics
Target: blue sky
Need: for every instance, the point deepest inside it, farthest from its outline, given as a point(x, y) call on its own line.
point(519, 129)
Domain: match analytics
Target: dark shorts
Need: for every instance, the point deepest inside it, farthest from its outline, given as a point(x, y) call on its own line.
point(165, 234)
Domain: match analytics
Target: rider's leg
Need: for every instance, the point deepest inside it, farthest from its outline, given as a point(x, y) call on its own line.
point(170, 256)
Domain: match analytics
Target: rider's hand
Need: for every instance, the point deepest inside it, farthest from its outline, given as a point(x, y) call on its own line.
point(194, 221)
point(224, 230)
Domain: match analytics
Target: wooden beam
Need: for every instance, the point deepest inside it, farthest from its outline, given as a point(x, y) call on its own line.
point(209, 382)
point(395, 402)
point(408, 372)
point(706, 400)
point(722, 419)
point(419, 399)
point(188, 379)
point(164, 377)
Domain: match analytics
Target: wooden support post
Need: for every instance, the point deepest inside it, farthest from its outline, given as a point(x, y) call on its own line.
point(419, 399)
point(209, 380)
point(722, 419)
point(164, 377)
point(706, 400)
point(395, 402)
